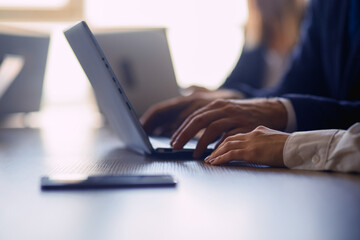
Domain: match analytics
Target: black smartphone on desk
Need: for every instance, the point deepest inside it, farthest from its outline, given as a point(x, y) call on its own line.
point(63, 182)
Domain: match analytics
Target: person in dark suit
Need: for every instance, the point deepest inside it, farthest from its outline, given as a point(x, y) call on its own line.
point(326, 66)
point(320, 90)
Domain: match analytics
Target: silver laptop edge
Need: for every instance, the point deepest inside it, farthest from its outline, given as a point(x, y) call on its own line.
point(108, 91)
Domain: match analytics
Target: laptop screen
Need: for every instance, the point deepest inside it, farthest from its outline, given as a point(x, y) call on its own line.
point(108, 91)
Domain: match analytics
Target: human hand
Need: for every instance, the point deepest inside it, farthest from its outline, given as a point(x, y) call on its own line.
point(165, 117)
point(228, 117)
point(261, 146)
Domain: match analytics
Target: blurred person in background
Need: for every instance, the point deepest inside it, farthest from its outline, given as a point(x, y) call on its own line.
point(271, 33)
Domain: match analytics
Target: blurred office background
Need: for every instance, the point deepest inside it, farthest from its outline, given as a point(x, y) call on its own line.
point(205, 37)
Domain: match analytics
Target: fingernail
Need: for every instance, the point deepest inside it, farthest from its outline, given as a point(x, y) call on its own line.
point(176, 145)
point(207, 158)
point(172, 139)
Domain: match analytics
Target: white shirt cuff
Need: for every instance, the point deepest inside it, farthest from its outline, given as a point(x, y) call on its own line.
point(291, 116)
point(335, 150)
point(308, 150)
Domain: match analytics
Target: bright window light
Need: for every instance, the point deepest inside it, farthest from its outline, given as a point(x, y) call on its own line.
point(205, 39)
point(205, 36)
point(31, 4)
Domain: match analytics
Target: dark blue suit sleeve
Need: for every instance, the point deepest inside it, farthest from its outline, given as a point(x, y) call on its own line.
point(323, 113)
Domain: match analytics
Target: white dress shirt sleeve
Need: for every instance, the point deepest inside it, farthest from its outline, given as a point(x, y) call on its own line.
point(335, 150)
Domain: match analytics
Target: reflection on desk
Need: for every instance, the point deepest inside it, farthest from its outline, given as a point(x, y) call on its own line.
point(236, 201)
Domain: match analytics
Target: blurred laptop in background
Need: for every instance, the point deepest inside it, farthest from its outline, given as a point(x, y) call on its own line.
point(20, 48)
point(141, 61)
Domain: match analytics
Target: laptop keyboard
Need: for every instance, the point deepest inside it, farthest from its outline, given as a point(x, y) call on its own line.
point(163, 142)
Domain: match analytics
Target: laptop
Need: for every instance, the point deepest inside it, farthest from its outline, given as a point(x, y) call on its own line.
point(10, 68)
point(24, 93)
point(112, 99)
point(141, 61)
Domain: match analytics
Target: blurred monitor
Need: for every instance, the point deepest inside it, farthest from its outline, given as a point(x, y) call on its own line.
point(142, 63)
point(25, 91)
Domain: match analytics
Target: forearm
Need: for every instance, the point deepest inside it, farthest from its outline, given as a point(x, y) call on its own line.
point(335, 150)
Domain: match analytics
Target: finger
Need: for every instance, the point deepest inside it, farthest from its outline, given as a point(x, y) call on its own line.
point(212, 132)
point(226, 147)
point(199, 122)
point(148, 120)
point(228, 134)
point(187, 121)
point(213, 105)
point(229, 156)
point(154, 118)
point(228, 143)
point(165, 130)
point(188, 111)
point(158, 114)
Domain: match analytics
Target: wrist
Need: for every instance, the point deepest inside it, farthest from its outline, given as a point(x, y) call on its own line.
point(278, 114)
point(282, 141)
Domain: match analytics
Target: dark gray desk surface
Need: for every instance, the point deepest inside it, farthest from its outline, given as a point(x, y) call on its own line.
point(229, 202)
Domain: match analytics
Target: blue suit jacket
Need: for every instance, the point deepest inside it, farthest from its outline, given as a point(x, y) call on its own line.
point(249, 71)
point(323, 81)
